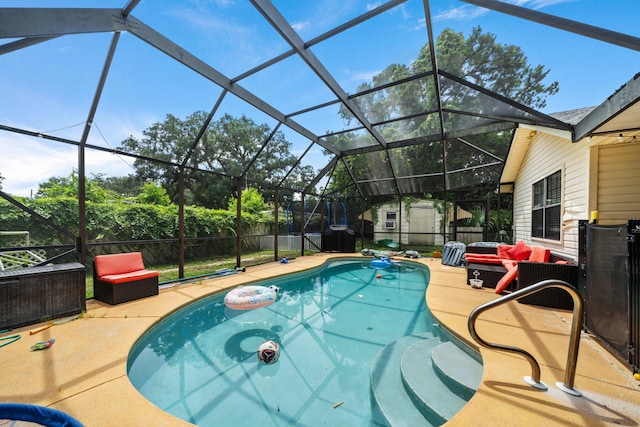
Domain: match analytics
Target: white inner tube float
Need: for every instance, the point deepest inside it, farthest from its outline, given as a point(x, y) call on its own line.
point(250, 297)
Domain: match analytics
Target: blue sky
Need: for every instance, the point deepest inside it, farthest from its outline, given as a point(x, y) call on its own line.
point(49, 87)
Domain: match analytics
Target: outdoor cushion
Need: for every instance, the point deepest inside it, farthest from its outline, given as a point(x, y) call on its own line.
point(503, 251)
point(118, 263)
point(482, 258)
point(506, 280)
point(128, 277)
point(509, 263)
point(539, 254)
point(520, 251)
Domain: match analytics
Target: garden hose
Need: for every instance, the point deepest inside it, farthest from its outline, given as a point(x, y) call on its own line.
point(9, 338)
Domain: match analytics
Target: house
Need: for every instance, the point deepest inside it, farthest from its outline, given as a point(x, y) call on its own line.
point(592, 172)
point(588, 172)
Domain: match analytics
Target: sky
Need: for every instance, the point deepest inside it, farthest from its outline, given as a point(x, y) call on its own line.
point(49, 87)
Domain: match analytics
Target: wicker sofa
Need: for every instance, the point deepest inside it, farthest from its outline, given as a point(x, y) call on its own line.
point(498, 268)
point(119, 278)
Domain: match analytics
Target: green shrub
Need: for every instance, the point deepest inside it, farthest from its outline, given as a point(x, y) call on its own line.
point(120, 221)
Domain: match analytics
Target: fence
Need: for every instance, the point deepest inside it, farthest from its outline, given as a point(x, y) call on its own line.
point(291, 242)
point(633, 238)
point(610, 260)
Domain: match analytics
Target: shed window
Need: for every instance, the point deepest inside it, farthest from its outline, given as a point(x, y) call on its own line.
point(547, 200)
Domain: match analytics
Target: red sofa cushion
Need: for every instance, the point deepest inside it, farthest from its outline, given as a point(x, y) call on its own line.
point(509, 277)
point(539, 254)
point(128, 277)
point(121, 268)
point(520, 251)
point(509, 263)
point(503, 251)
point(482, 258)
point(118, 263)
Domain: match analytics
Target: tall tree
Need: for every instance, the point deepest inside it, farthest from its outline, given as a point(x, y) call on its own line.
point(227, 147)
point(478, 59)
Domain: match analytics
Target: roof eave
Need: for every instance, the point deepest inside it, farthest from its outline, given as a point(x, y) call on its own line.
point(604, 117)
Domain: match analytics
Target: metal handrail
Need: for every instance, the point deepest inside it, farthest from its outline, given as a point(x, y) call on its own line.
point(574, 342)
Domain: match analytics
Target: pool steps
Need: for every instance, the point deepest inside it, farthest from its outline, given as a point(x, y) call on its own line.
point(454, 367)
point(388, 394)
point(421, 380)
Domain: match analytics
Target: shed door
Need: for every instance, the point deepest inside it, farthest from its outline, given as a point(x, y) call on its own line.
point(618, 183)
point(421, 225)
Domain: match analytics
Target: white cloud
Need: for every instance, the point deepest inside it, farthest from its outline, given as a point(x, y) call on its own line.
point(101, 162)
point(111, 129)
point(470, 12)
point(210, 23)
point(463, 13)
point(24, 171)
point(422, 24)
point(365, 75)
point(299, 26)
point(354, 78)
point(27, 162)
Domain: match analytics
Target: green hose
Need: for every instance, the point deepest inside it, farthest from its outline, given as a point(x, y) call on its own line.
point(10, 339)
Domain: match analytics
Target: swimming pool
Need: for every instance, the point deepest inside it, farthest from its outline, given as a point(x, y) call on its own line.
point(200, 363)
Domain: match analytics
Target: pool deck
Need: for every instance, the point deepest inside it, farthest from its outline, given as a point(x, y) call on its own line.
point(84, 372)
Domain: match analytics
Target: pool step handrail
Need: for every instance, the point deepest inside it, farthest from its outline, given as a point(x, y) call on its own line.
point(574, 342)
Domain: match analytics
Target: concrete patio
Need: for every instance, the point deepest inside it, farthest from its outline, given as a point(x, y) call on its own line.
point(84, 373)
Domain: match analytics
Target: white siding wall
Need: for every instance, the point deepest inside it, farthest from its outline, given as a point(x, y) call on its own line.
point(548, 154)
point(617, 195)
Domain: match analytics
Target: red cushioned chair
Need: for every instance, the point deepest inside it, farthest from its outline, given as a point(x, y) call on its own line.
point(119, 278)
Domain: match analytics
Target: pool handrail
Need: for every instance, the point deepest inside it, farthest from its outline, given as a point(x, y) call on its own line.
point(574, 342)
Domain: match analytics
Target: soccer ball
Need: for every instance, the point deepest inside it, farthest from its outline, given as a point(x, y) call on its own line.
point(269, 352)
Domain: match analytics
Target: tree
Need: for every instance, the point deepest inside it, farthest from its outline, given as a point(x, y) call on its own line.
point(252, 202)
point(153, 194)
point(126, 186)
point(68, 187)
point(480, 60)
point(227, 147)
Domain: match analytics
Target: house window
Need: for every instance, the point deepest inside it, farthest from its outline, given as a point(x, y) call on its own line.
point(390, 221)
point(545, 216)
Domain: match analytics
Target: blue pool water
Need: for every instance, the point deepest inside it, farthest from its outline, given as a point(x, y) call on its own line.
point(200, 363)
